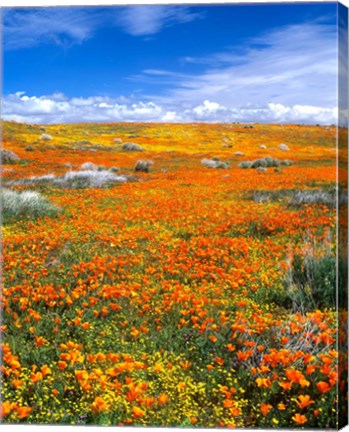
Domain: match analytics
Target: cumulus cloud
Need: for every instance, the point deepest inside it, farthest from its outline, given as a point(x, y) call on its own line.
point(57, 108)
point(209, 110)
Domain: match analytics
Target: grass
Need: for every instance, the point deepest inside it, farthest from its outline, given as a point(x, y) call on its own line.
point(311, 278)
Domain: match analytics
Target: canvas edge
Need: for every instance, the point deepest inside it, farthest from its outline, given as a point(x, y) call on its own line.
point(342, 219)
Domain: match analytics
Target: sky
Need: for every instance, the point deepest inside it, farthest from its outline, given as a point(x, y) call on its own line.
point(270, 63)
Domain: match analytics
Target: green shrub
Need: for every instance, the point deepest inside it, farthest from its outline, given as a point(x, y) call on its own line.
point(245, 164)
point(259, 163)
point(272, 162)
point(311, 279)
point(286, 162)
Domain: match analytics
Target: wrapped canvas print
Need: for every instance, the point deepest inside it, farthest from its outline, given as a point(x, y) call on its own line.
point(174, 211)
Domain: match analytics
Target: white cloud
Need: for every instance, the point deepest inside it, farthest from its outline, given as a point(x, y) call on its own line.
point(28, 27)
point(24, 28)
point(59, 109)
point(146, 20)
point(170, 117)
point(293, 65)
point(207, 109)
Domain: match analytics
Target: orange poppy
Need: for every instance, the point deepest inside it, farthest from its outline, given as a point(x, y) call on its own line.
point(137, 412)
point(304, 401)
point(265, 408)
point(163, 399)
point(323, 387)
point(299, 419)
point(99, 405)
point(23, 412)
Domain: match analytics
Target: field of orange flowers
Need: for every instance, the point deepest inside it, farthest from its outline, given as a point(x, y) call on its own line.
point(177, 298)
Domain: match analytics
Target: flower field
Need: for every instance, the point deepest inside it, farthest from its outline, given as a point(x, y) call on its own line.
point(188, 295)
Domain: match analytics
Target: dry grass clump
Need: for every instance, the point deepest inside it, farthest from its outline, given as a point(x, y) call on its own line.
point(214, 163)
point(143, 165)
point(297, 197)
point(284, 147)
point(88, 166)
point(129, 146)
point(46, 137)
point(8, 157)
point(26, 203)
point(75, 179)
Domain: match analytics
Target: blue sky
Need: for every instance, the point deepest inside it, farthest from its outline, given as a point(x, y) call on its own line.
point(266, 62)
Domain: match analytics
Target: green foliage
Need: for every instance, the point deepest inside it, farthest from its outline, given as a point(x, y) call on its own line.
point(245, 164)
point(311, 279)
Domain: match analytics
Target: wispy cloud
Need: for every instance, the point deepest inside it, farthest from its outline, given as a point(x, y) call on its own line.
point(57, 108)
point(29, 27)
point(148, 20)
point(25, 28)
point(293, 65)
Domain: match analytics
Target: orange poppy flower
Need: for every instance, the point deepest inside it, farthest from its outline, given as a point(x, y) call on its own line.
point(304, 383)
point(310, 369)
point(304, 401)
point(17, 383)
point(286, 385)
point(62, 365)
point(99, 405)
point(263, 382)
point(265, 408)
point(299, 419)
point(35, 377)
point(137, 412)
point(6, 408)
point(23, 412)
point(323, 387)
point(235, 411)
point(163, 399)
point(219, 360)
point(185, 364)
point(40, 341)
point(45, 370)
